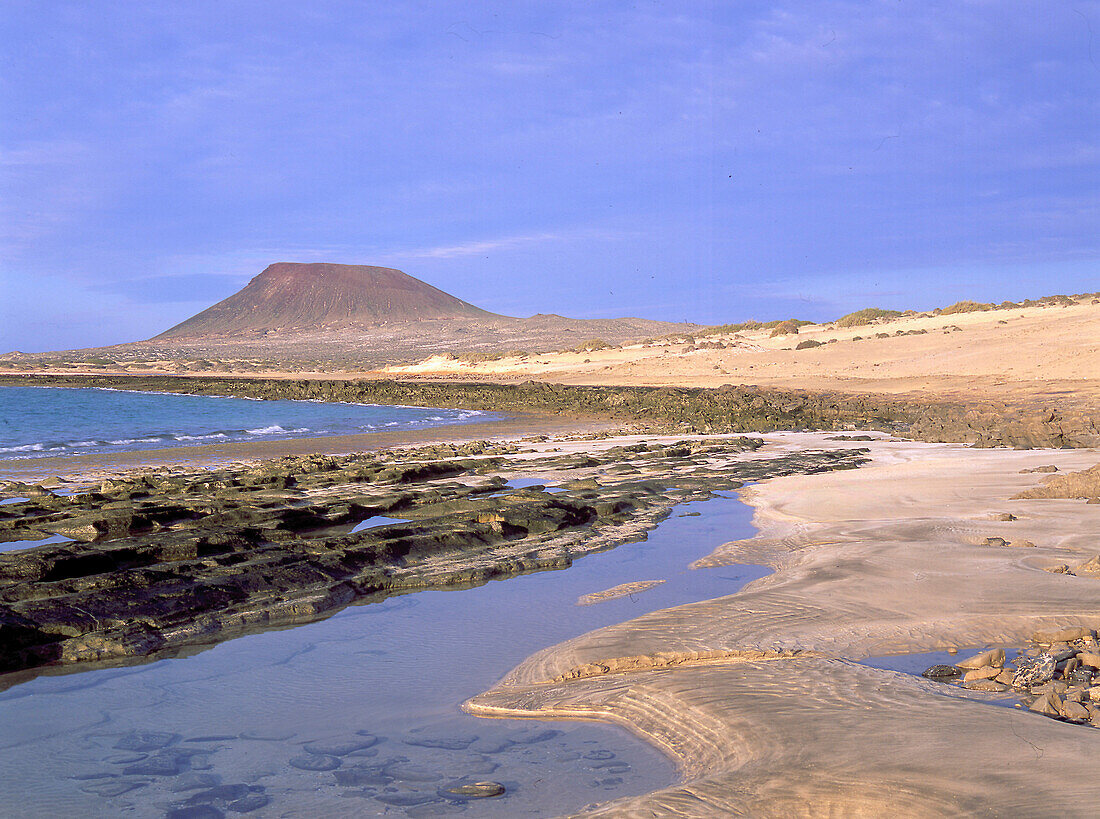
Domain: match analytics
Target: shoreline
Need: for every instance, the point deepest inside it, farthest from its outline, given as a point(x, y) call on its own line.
point(242, 452)
point(727, 408)
point(760, 697)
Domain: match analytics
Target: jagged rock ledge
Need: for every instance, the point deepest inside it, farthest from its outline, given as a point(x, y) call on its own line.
point(167, 559)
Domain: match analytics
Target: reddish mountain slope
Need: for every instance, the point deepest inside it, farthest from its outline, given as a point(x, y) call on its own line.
point(288, 296)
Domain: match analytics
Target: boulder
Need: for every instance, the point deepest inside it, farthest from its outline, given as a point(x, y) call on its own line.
point(941, 672)
point(984, 685)
point(1074, 710)
point(1034, 671)
point(1049, 704)
point(987, 673)
point(995, 657)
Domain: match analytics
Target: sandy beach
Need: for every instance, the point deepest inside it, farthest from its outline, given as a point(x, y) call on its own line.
point(761, 698)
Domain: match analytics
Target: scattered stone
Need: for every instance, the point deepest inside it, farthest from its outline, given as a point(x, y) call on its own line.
point(249, 803)
point(941, 672)
point(984, 685)
point(994, 657)
point(159, 765)
point(1074, 710)
point(193, 781)
point(195, 812)
point(448, 743)
point(987, 673)
point(405, 799)
point(529, 736)
point(146, 741)
point(407, 772)
point(474, 790)
point(490, 746)
point(315, 762)
point(1049, 704)
point(361, 776)
point(212, 738)
point(220, 793)
point(1034, 672)
point(112, 788)
point(339, 748)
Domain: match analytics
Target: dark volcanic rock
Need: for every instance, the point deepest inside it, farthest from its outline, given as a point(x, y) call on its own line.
point(201, 556)
point(941, 672)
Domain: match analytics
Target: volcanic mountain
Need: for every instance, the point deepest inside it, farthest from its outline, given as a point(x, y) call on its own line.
point(289, 297)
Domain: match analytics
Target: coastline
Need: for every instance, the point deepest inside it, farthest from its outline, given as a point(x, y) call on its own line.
point(760, 697)
point(93, 466)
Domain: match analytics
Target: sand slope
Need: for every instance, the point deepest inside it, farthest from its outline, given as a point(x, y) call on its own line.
point(1048, 352)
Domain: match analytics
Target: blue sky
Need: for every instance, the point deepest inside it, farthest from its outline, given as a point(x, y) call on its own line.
point(706, 161)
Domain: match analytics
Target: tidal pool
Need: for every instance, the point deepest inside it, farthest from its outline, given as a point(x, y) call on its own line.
point(359, 714)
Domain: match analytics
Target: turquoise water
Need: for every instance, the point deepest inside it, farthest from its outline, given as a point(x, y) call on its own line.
point(56, 421)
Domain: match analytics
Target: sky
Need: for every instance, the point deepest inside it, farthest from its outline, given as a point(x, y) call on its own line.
point(687, 160)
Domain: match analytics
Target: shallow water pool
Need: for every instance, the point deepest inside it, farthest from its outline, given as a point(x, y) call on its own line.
point(359, 714)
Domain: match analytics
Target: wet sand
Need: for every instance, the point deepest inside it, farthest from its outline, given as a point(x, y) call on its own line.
point(759, 697)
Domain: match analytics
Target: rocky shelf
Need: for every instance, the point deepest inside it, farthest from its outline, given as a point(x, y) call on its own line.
point(166, 559)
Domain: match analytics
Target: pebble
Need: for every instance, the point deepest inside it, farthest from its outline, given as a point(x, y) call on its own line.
point(315, 762)
point(451, 743)
point(340, 748)
point(941, 672)
point(993, 657)
point(195, 812)
point(249, 803)
point(985, 685)
point(193, 781)
point(159, 765)
point(1074, 710)
point(112, 788)
point(405, 799)
point(220, 793)
point(529, 736)
point(361, 775)
point(474, 790)
point(407, 772)
point(987, 673)
point(146, 741)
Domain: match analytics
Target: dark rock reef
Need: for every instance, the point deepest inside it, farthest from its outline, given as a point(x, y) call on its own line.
point(167, 559)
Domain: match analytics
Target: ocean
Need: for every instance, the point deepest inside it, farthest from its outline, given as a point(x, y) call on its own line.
point(58, 421)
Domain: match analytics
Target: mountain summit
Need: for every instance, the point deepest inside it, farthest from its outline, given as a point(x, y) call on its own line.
point(290, 297)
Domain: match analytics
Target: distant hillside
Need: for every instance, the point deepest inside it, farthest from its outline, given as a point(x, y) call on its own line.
point(288, 297)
